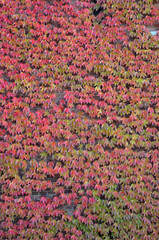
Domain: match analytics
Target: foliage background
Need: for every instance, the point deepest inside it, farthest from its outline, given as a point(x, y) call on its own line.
point(79, 120)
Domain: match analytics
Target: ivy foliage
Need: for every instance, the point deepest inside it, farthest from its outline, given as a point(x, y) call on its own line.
point(79, 104)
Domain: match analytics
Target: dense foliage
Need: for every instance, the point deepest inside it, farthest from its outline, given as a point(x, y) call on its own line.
point(79, 108)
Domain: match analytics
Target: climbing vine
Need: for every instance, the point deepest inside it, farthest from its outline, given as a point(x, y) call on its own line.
point(79, 108)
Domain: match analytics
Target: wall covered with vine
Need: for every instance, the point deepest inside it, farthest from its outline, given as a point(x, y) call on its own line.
point(79, 109)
